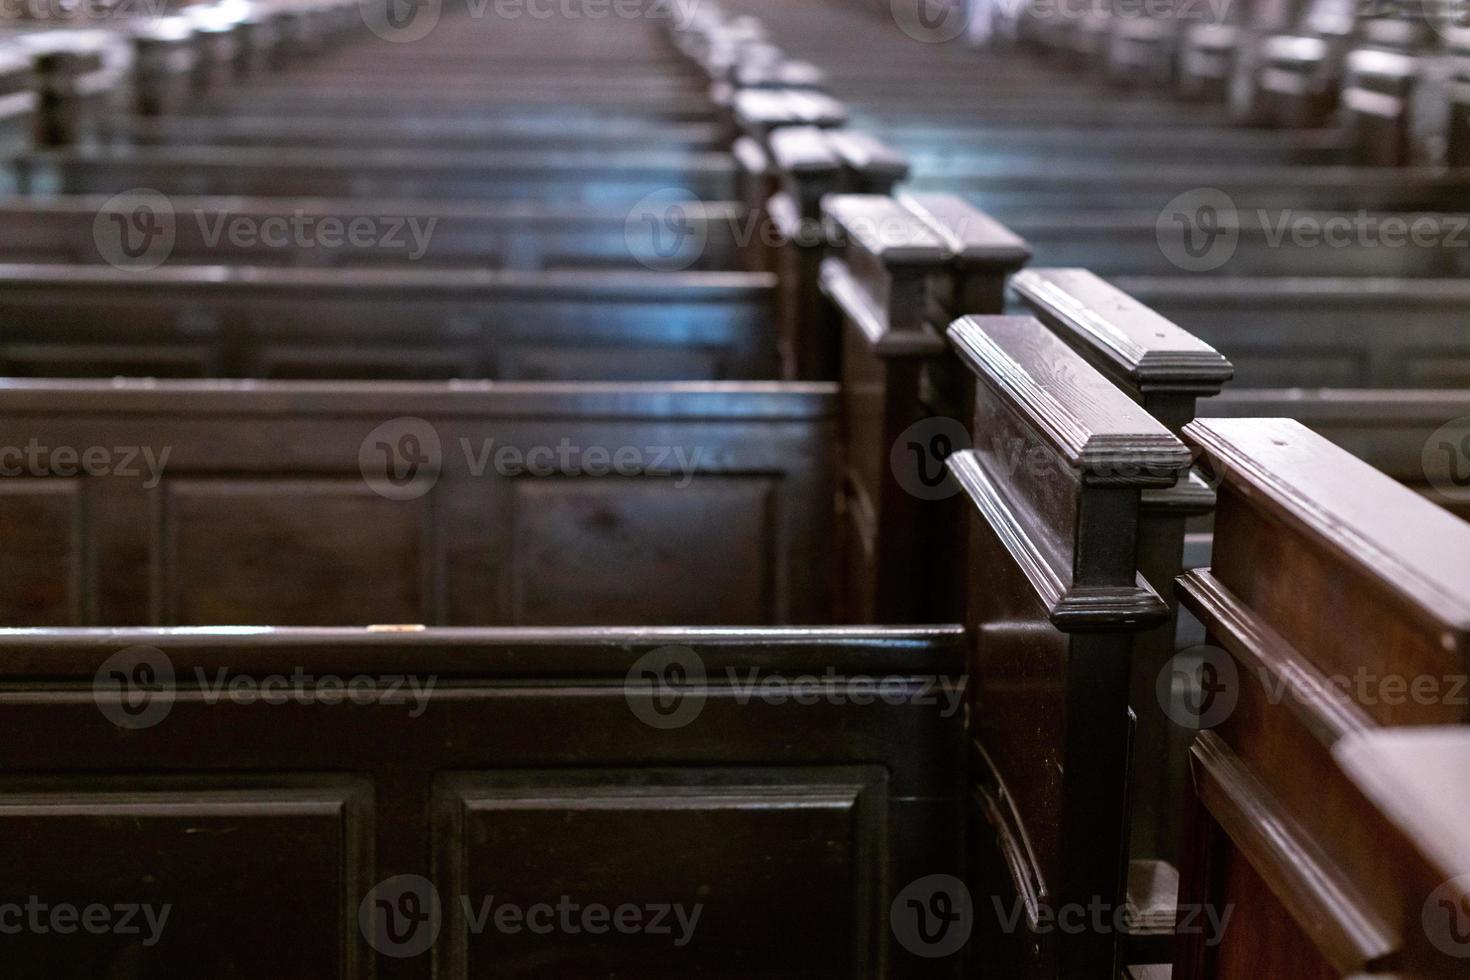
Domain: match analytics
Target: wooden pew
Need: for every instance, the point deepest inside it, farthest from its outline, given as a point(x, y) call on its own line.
point(1061, 460)
point(199, 503)
point(665, 232)
point(1298, 243)
point(807, 163)
point(215, 321)
point(1169, 372)
point(80, 77)
point(1401, 432)
point(1007, 192)
point(515, 766)
point(293, 130)
point(1283, 332)
point(1337, 606)
point(941, 149)
point(19, 104)
point(590, 178)
point(896, 275)
point(1392, 428)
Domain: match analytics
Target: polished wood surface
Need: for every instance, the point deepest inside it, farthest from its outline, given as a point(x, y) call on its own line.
point(408, 322)
point(1060, 463)
point(509, 766)
point(1356, 623)
point(608, 565)
point(459, 503)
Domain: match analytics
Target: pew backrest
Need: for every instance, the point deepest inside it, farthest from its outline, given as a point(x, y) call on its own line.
point(523, 767)
point(215, 321)
point(199, 503)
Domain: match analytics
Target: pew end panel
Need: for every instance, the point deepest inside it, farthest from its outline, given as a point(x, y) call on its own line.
point(877, 279)
point(1053, 484)
point(808, 169)
point(985, 254)
point(1166, 370)
point(1335, 607)
point(895, 271)
point(82, 77)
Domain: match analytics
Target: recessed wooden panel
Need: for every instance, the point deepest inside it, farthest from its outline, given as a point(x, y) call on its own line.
point(290, 552)
point(247, 877)
point(806, 843)
point(40, 523)
point(627, 550)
